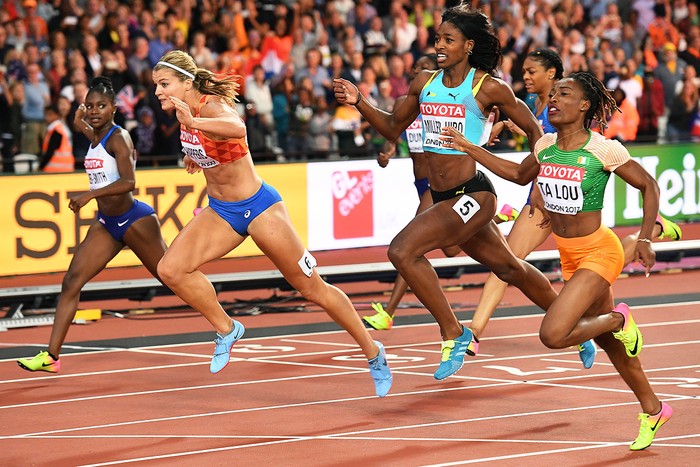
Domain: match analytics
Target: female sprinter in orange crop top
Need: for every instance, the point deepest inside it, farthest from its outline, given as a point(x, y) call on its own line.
point(213, 138)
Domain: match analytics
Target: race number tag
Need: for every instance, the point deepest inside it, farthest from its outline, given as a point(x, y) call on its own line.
point(560, 186)
point(438, 116)
point(466, 207)
point(414, 136)
point(307, 263)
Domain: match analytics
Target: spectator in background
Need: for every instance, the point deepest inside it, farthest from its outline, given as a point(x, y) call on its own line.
point(11, 101)
point(200, 52)
point(37, 97)
point(32, 21)
point(168, 137)
point(108, 37)
point(353, 70)
point(299, 120)
point(314, 71)
point(57, 71)
point(661, 30)
point(375, 41)
point(335, 68)
point(117, 70)
point(403, 33)
point(56, 148)
point(138, 62)
point(397, 77)
point(276, 47)
point(144, 134)
point(630, 82)
point(4, 46)
point(253, 53)
point(257, 135)
point(650, 107)
point(682, 113)
point(691, 55)
point(623, 124)
point(385, 100)
point(282, 88)
point(320, 141)
point(92, 56)
point(64, 107)
point(346, 123)
point(160, 44)
point(258, 92)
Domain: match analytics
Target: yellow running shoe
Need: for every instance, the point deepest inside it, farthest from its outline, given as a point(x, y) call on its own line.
point(629, 335)
point(41, 362)
point(669, 229)
point(650, 424)
point(508, 213)
point(382, 321)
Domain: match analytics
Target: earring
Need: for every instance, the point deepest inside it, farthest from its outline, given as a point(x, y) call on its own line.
point(470, 52)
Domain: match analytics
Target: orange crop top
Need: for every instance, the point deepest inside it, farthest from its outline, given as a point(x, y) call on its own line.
point(208, 153)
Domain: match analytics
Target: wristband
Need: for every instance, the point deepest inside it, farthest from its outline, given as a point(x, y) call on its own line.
point(645, 240)
point(359, 98)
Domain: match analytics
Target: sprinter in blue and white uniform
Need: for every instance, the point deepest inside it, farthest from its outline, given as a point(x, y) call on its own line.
point(121, 219)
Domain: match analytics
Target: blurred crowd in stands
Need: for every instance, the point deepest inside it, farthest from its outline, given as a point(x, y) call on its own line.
point(287, 53)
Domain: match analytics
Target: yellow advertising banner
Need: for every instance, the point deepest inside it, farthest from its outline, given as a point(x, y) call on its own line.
point(40, 233)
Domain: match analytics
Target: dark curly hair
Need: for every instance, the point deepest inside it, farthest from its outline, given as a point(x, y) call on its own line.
point(475, 25)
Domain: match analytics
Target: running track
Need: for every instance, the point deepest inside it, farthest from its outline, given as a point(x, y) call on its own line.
point(297, 392)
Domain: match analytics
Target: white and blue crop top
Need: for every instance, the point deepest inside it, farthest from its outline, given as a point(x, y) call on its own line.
point(100, 165)
point(441, 106)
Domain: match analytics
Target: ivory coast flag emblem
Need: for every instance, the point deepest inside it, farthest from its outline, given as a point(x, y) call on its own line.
point(582, 159)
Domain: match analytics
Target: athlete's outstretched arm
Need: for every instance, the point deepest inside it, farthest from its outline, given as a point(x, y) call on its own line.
point(521, 173)
point(390, 125)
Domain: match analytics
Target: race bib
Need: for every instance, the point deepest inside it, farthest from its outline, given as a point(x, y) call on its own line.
point(414, 136)
point(307, 263)
point(560, 186)
point(192, 147)
point(466, 207)
point(438, 116)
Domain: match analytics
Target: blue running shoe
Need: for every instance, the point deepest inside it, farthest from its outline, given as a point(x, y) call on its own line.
point(222, 351)
point(453, 353)
point(381, 374)
point(587, 352)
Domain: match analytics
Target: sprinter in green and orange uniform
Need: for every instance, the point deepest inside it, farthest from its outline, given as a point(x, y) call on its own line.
point(572, 168)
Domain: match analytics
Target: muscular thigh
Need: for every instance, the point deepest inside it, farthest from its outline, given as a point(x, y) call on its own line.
point(94, 253)
point(585, 294)
point(526, 235)
point(447, 223)
point(205, 238)
point(273, 233)
point(145, 240)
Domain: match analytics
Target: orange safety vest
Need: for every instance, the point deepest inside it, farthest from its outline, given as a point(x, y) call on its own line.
point(62, 159)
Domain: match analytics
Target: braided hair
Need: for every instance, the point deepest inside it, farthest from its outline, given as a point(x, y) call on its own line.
point(602, 102)
point(548, 59)
point(475, 25)
point(103, 85)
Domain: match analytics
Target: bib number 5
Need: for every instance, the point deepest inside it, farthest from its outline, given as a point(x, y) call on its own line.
point(466, 207)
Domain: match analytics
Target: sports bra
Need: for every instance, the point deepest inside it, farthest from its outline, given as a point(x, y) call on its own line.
point(441, 106)
point(208, 153)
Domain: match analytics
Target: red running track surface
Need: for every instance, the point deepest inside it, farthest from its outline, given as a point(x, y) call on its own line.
point(307, 399)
